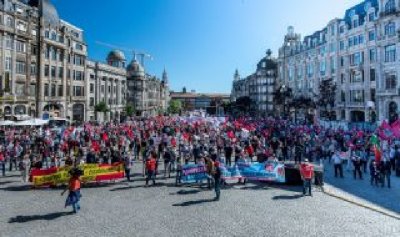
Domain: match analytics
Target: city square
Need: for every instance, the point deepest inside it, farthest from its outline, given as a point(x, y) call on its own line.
point(199, 118)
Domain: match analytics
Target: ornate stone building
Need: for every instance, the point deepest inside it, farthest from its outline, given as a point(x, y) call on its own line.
point(359, 53)
point(60, 62)
point(259, 86)
point(106, 83)
point(148, 95)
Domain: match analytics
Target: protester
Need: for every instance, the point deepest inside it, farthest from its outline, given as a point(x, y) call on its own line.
point(24, 167)
point(127, 166)
point(151, 168)
point(74, 187)
point(337, 161)
point(307, 174)
point(217, 180)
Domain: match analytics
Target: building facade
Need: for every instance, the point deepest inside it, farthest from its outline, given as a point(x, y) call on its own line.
point(44, 71)
point(42, 68)
point(259, 86)
point(147, 94)
point(359, 53)
point(106, 83)
point(212, 103)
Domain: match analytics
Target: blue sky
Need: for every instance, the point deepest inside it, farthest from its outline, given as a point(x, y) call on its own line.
point(200, 42)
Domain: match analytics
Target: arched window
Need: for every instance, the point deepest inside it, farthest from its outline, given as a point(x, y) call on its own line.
point(390, 6)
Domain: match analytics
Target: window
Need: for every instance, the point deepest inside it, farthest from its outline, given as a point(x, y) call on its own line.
point(341, 45)
point(91, 88)
point(341, 29)
point(361, 39)
point(60, 72)
point(91, 101)
point(371, 35)
point(390, 53)
point(356, 59)
point(34, 50)
point(68, 90)
point(373, 95)
point(102, 89)
point(357, 96)
point(60, 90)
point(78, 46)
point(8, 64)
point(54, 54)
point(53, 36)
point(53, 90)
point(32, 90)
point(372, 74)
point(21, 26)
point(53, 72)
point(79, 60)
point(68, 73)
point(333, 65)
point(61, 56)
point(390, 29)
point(342, 78)
point(47, 34)
point(47, 53)
point(357, 76)
point(390, 6)
point(20, 46)
point(33, 68)
point(9, 21)
point(322, 67)
point(109, 89)
point(372, 55)
point(332, 47)
point(79, 76)
point(355, 23)
point(78, 91)
point(91, 76)
point(371, 16)
point(19, 89)
point(350, 41)
point(46, 70)
point(9, 42)
point(390, 81)
point(20, 67)
point(355, 40)
point(46, 89)
point(343, 96)
point(342, 61)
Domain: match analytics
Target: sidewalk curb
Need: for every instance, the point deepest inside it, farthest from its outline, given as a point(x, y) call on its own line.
point(370, 207)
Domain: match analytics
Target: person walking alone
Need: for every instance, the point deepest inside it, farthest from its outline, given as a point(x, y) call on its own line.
point(74, 187)
point(217, 180)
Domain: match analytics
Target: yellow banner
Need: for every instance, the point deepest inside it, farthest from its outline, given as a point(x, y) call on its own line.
point(90, 173)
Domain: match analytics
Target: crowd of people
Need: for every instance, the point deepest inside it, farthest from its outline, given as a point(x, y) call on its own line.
point(174, 141)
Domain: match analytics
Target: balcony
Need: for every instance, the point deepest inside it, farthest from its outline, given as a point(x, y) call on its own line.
point(356, 104)
point(390, 12)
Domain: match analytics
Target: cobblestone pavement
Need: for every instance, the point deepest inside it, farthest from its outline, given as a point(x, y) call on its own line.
point(361, 191)
point(123, 209)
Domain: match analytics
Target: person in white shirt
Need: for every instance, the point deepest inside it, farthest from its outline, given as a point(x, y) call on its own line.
point(337, 162)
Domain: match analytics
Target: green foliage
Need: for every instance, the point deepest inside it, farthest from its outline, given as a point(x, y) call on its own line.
point(175, 107)
point(101, 107)
point(129, 110)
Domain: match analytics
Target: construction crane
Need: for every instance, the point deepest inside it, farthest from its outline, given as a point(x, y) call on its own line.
point(135, 53)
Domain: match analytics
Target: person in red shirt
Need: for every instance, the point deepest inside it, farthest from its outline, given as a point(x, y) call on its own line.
point(307, 174)
point(74, 187)
point(151, 168)
point(2, 163)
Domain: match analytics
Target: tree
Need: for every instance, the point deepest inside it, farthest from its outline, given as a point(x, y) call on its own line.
point(282, 96)
point(243, 104)
point(101, 107)
point(175, 107)
point(129, 110)
point(327, 90)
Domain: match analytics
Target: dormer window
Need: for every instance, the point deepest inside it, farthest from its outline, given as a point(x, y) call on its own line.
point(390, 6)
point(355, 23)
point(371, 16)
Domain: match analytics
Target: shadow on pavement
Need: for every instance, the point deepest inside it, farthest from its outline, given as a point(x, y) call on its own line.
point(187, 192)
point(20, 188)
point(287, 197)
point(46, 217)
point(6, 182)
point(191, 203)
point(126, 188)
